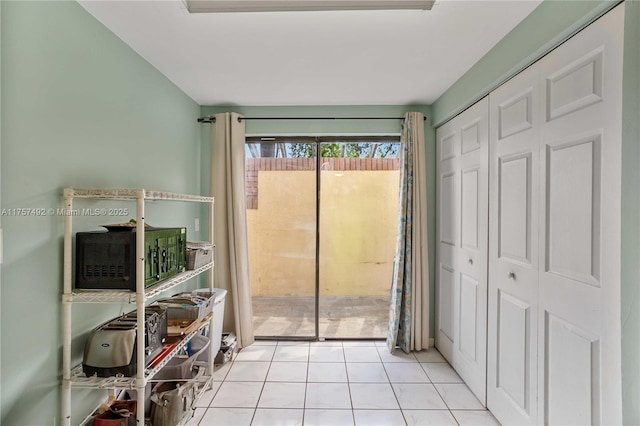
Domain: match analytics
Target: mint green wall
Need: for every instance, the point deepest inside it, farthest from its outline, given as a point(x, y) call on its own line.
point(338, 127)
point(548, 24)
point(0, 192)
point(79, 108)
point(631, 217)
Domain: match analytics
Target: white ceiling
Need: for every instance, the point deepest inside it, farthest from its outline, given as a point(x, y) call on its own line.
point(312, 58)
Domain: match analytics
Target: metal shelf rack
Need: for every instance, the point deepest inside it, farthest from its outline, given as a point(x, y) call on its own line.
point(126, 296)
point(73, 377)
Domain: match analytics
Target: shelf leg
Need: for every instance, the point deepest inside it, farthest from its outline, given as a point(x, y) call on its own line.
point(211, 284)
point(66, 311)
point(66, 365)
point(210, 275)
point(140, 306)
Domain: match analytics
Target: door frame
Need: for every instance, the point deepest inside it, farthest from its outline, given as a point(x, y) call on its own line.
point(317, 142)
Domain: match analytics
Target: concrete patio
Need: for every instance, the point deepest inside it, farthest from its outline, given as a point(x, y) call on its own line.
point(341, 317)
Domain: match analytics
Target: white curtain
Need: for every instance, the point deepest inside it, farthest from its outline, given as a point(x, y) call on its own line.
point(231, 267)
point(409, 310)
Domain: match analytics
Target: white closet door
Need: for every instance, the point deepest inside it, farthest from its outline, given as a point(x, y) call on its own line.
point(579, 294)
point(462, 246)
point(448, 184)
point(470, 354)
point(513, 250)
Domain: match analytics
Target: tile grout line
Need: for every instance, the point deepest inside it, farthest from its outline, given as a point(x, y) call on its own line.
point(438, 392)
point(346, 370)
point(264, 383)
point(393, 390)
point(306, 384)
point(255, 411)
point(210, 402)
point(447, 405)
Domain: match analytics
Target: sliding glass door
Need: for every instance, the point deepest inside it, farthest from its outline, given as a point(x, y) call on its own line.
point(321, 234)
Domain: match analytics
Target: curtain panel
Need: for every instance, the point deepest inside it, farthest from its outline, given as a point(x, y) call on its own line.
point(409, 310)
point(231, 267)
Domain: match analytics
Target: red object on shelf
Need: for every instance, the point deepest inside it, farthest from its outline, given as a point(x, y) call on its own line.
point(118, 414)
point(166, 349)
point(110, 420)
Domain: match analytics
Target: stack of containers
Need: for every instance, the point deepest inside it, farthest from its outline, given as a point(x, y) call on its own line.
point(194, 306)
point(173, 399)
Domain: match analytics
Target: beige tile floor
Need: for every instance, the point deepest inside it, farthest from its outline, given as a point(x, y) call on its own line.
point(341, 317)
point(337, 383)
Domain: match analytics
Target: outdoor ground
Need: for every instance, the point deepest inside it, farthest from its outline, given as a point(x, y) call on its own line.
point(341, 317)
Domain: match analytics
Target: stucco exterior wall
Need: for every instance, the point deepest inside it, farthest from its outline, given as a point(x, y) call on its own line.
point(358, 220)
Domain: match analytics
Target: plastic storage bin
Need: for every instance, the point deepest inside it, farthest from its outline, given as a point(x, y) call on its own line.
point(218, 315)
point(181, 368)
point(172, 403)
point(188, 306)
point(199, 253)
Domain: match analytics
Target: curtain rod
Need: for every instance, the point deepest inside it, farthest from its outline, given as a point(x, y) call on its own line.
point(212, 119)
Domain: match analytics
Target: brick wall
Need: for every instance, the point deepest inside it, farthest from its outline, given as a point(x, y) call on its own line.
point(254, 165)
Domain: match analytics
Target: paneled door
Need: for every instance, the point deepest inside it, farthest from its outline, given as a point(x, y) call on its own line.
point(513, 250)
point(470, 354)
point(579, 377)
point(448, 212)
point(462, 256)
point(555, 188)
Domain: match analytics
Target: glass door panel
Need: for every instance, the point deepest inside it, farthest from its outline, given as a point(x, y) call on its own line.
point(358, 225)
point(281, 190)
